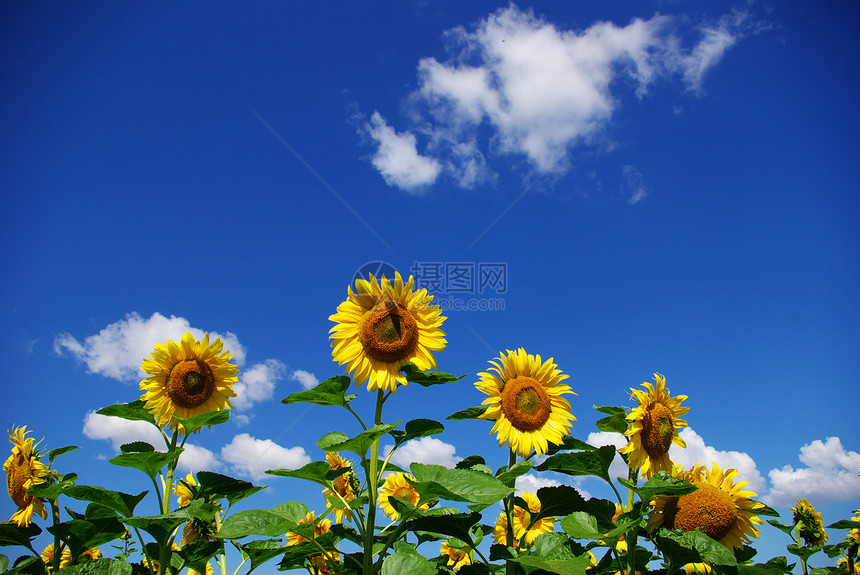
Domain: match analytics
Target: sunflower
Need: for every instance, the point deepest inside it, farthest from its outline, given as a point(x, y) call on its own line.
point(322, 526)
point(187, 378)
point(500, 531)
point(654, 427)
point(525, 400)
point(702, 568)
point(320, 565)
point(343, 487)
point(843, 564)
point(523, 530)
point(808, 523)
point(456, 557)
point(182, 490)
point(621, 544)
point(381, 326)
point(721, 508)
point(24, 470)
point(92, 554)
point(209, 570)
point(48, 557)
point(396, 485)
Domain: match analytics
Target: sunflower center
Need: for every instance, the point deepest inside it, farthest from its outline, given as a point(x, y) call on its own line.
point(709, 508)
point(16, 476)
point(525, 403)
point(658, 428)
point(388, 332)
point(190, 383)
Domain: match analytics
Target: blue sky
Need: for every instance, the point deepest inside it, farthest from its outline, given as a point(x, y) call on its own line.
point(670, 186)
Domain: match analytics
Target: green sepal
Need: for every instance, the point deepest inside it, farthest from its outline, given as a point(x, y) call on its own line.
point(197, 422)
point(427, 378)
point(148, 462)
point(330, 392)
point(132, 411)
point(82, 534)
point(406, 559)
point(264, 522)
point(474, 487)
point(215, 487)
point(470, 413)
point(53, 490)
point(415, 429)
point(11, 534)
point(682, 547)
point(122, 503)
point(359, 444)
point(595, 462)
point(661, 485)
point(55, 453)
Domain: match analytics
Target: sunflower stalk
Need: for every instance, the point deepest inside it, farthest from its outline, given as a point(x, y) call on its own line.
point(372, 486)
point(55, 518)
point(510, 568)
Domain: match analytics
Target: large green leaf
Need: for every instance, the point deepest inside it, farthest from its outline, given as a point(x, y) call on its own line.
point(11, 534)
point(468, 414)
point(509, 476)
point(53, 490)
point(613, 423)
point(103, 566)
point(415, 429)
point(161, 527)
point(776, 566)
point(330, 392)
point(804, 552)
point(575, 566)
point(316, 471)
point(581, 525)
point(427, 378)
point(133, 411)
point(83, 534)
point(843, 524)
point(55, 453)
point(198, 422)
point(661, 485)
point(196, 554)
point(683, 547)
point(558, 501)
point(478, 489)
point(406, 559)
point(264, 522)
point(358, 444)
point(148, 462)
point(764, 511)
point(594, 462)
point(122, 503)
point(458, 525)
point(569, 443)
point(215, 487)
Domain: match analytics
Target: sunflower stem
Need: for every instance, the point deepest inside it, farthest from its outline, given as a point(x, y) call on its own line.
point(55, 518)
point(372, 485)
point(510, 568)
point(632, 535)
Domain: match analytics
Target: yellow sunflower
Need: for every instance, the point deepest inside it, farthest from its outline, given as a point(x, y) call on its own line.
point(721, 508)
point(808, 523)
point(187, 378)
point(195, 528)
point(343, 487)
point(525, 400)
point(320, 565)
point(522, 518)
point(209, 570)
point(182, 490)
point(500, 531)
point(654, 428)
point(456, 557)
point(24, 470)
point(702, 568)
point(48, 557)
point(381, 326)
point(621, 544)
point(92, 554)
point(397, 486)
point(323, 526)
point(843, 564)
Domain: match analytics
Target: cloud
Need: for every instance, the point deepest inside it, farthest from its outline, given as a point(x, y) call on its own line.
point(305, 378)
point(540, 90)
point(257, 383)
point(698, 452)
point(633, 185)
point(195, 458)
point(397, 157)
point(830, 475)
point(251, 457)
point(423, 450)
point(118, 350)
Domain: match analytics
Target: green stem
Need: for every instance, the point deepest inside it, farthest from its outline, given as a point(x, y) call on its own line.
point(372, 485)
point(165, 551)
point(631, 536)
point(510, 568)
point(55, 519)
point(363, 426)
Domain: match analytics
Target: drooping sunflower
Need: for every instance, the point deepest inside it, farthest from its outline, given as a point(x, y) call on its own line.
point(654, 428)
point(721, 508)
point(525, 400)
point(522, 518)
point(48, 557)
point(457, 557)
point(808, 523)
point(322, 526)
point(381, 326)
point(187, 378)
point(24, 470)
point(343, 487)
point(500, 531)
point(397, 486)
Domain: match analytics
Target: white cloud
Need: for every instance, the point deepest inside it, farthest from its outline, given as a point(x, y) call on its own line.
point(423, 450)
point(830, 475)
point(698, 452)
point(251, 457)
point(195, 458)
point(257, 383)
point(715, 42)
point(397, 157)
point(305, 378)
point(118, 350)
point(633, 184)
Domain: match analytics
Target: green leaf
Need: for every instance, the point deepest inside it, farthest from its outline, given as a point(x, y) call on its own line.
point(470, 462)
point(427, 378)
point(406, 559)
point(136, 447)
point(764, 511)
point(471, 413)
point(804, 552)
point(594, 462)
point(122, 503)
point(103, 566)
point(83, 534)
point(315, 471)
point(55, 453)
point(478, 489)
point(787, 529)
point(844, 524)
point(457, 525)
point(159, 526)
point(415, 429)
point(558, 501)
point(581, 525)
point(613, 423)
point(263, 550)
point(150, 463)
point(133, 411)
point(196, 554)
point(693, 547)
point(52, 491)
point(11, 534)
point(264, 522)
point(776, 566)
point(569, 443)
point(610, 410)
point(329, 392)
point(575, 566)
point(661, 485)
point(216, 487)
point(198, 422)
point(358, 444)
point(508, 476)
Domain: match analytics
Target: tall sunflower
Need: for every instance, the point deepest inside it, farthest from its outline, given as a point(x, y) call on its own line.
point(396, 485)
point(522, 519)
point(808, 523)
point(721, 508)
point(24, 470)
point(654, 427)
point(525, 400)
point(381, 326)
point(344, 489)
point(187, 378)
point(457, 557)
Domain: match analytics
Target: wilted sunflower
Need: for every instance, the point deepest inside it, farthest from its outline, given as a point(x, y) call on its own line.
point(523, 518)
point(397, 486)
point(525, 400)
point(654, 428)
point(48, 557)
point(187, 378)
point(24, 470)
point(322, 526)
point(343, 487)
point(721, 508)
point(808, 523)
point(381, 326)
point(456, 557)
